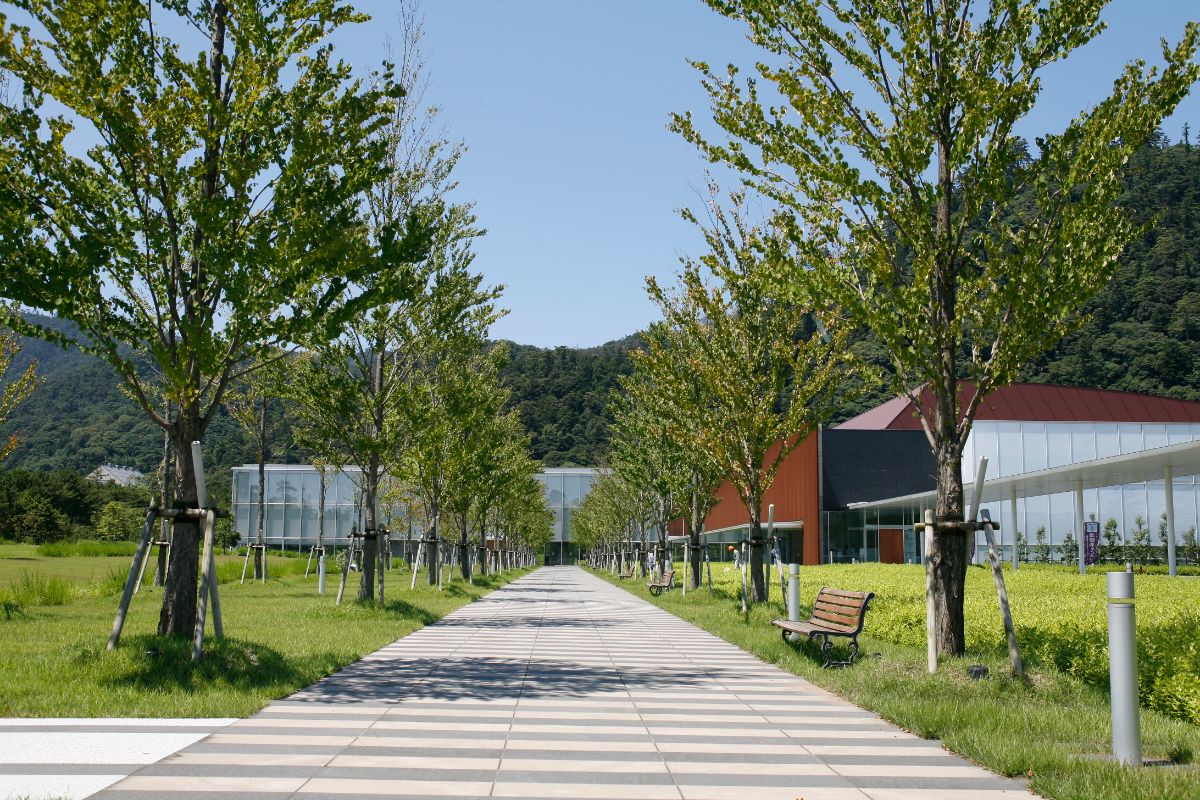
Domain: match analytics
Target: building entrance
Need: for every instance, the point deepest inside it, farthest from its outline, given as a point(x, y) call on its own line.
point(891, 545)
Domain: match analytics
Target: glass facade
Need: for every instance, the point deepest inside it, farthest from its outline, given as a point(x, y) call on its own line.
point(870, 535)
point(1015, 447)
point(565, 489)
point(292, 502)
point(1043, 445)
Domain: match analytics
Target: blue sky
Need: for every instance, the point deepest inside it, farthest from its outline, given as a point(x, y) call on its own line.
point(564, 106)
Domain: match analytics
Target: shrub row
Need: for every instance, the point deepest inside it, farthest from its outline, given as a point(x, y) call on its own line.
point(1060, 618)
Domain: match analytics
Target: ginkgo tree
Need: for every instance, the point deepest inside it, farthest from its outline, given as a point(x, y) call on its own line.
point(615, 512)
point(763, 372)
point(192, 201)
point(661, 399)
point(608, 516)
point(454, 372)
point(645, 454)
point(478, 441)
point(15, 388)
point(361, 378)
point(254, 403)
point(884, 135)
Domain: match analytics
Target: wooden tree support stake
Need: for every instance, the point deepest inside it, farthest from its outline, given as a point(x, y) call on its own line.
point(208, 562)
point(417, 563)
point(139, 556)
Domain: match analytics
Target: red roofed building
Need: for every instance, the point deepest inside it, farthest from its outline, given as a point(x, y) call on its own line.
point(1023, 429)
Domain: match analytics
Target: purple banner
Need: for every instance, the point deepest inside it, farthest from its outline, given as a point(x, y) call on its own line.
point(1091, 543)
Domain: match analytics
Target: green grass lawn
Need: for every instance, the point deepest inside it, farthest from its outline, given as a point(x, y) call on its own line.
point(1053, 728)
point(280, 637)
point(19, 559)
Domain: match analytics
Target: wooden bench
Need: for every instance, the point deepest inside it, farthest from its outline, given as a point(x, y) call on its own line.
point(835, 613)
point(629, 574)
point(667, 582)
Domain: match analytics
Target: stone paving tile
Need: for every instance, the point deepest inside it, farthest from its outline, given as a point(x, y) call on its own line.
point(563, 686)
point(74, 758)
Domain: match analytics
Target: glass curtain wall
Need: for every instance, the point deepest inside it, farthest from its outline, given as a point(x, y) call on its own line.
point(292, 502)
point(565, 489)
point(1017, 447)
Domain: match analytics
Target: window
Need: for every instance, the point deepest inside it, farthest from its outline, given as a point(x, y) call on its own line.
point(1110, 506)
point(1131, 437)
point(1178, 434)
point(274, 529)
point(1134, 498)
point(308, 522)
point(1062, 522)
point(1083, 442)
point(574, 489)
point(243, 522)
point(1009, 448)
point(331, 521)
point(242, 479)
point(310, 487)
point(1033, 446)
point(984, 441)
point(292, 525)
point(276, 481)
point(1154, 436)
point(1058, 444)
point(554, 490)
point(1107, 441)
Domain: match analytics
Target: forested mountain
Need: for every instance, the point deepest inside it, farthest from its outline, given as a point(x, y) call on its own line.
point(561, 394)
point(1142, 335)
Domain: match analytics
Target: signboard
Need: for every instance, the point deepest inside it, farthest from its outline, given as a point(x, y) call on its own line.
point(1091, 543)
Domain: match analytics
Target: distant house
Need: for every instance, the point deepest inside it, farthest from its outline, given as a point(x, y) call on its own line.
point(111, 473)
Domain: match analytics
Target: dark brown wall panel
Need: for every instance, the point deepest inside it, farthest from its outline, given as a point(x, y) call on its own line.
point(794, 493)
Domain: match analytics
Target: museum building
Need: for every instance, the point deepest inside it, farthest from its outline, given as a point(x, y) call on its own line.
point(1057, 457)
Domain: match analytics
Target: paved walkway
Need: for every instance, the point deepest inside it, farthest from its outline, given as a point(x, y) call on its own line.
point(558, 686)
point(73, 758)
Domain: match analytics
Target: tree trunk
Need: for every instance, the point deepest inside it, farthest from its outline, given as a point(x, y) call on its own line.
point(948, 560)
point(464, 544)
point(431, 549)
point(758, 578)
point(259, 538)
point(948, 557)
point(178, 614)
point(694, 539)
point(366, 584)
point(321, 513)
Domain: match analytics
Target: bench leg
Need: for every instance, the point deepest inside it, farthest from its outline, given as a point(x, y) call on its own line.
point(852, 647)
point(826, 647)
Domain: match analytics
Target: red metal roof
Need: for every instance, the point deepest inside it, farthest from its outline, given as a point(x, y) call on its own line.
point(1037, 402)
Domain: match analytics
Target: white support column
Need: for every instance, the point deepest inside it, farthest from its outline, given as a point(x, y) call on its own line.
point(1171, 561)
point(1082, 538)
point(1012, 507)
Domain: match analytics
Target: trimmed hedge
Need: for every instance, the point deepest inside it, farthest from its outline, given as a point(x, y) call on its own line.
point(1060, 617)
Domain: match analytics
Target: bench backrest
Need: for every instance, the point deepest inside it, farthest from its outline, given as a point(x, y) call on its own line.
point(840, 610)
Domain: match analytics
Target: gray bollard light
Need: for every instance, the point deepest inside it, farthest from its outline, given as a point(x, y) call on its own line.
point(1122, 669)
point(793, 592)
